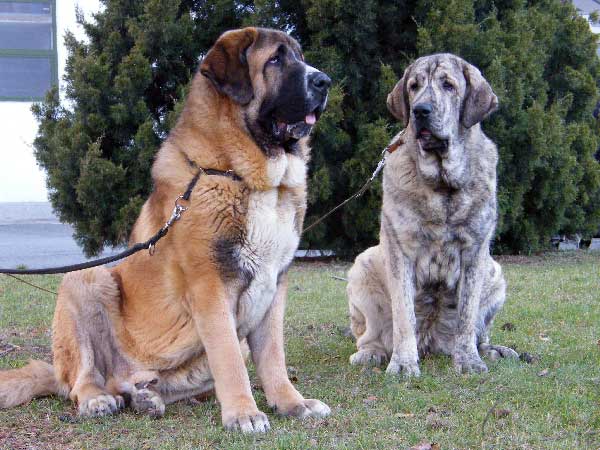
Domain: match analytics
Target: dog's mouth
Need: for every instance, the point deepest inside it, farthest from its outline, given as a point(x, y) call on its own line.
point(285, 131)
point(430, 142)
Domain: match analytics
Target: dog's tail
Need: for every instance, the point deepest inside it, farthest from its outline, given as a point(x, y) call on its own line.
point(18, 386)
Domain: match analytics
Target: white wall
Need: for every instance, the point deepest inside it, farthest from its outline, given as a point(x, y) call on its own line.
point(21, 180)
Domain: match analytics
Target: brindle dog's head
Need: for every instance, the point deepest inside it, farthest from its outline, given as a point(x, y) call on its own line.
point(440, 98)
point(264, 72)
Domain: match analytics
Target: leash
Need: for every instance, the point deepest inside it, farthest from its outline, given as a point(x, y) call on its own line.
point(397, 142)
point(179, 209)
point(30, 284)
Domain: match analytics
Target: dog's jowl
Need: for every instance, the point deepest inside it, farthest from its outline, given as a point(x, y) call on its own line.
point(431, 284)
point(157, 329)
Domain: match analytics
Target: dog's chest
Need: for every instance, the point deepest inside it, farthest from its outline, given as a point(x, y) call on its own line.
point(437, 267)
point(271, 239)
point(440, 230)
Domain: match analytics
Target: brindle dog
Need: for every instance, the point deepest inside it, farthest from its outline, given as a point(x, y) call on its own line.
point(431, 284)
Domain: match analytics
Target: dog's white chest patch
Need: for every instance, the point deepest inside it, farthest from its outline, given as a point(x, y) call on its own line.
point(271, 240)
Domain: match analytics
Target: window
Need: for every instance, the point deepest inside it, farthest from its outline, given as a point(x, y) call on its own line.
point(28, 58)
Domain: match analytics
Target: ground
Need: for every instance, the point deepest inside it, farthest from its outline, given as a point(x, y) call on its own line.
point(552, 313)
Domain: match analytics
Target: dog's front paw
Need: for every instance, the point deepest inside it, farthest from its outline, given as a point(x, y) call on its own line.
point(306, 408)
point(403, 366)
point(148, 402)
point(251, 422)
point(368, 357)
point(468, 363)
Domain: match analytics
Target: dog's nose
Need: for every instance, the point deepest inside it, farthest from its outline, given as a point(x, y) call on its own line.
point(319, 82)
point(422, 110)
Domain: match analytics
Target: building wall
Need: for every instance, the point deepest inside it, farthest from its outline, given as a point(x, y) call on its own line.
point(20, 178)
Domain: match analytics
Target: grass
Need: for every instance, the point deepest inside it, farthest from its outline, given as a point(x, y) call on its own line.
point(553, 303)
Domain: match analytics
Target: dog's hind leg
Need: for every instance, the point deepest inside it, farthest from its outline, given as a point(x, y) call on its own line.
point(370, 311)
point(494, 295)
point(83, 344)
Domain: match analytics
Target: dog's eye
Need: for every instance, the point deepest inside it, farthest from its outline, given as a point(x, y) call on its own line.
point(274, 60)
point(448, 86)
point(413, 86)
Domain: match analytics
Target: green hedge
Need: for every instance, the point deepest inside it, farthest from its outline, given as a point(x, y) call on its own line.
point(125, 87)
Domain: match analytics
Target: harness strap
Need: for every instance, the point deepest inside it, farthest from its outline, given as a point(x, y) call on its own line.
point(224, 173)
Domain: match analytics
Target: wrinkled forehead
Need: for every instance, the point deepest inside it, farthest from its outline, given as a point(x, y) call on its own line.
point(437, 66)
point(270, 40)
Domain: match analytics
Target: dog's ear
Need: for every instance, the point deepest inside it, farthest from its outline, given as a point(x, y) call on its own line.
point(480, 100)
point(397, 100)
point(226, 66)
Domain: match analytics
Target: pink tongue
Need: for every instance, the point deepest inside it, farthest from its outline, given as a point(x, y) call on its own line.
point(310, 119)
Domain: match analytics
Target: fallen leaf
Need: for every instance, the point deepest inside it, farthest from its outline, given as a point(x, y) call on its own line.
point(434, 410)
point(405, 415)
point(500, 413)
point(435, 421)
point(544, 373)
point(509, 326)
point(376, 370)
point(528, 358)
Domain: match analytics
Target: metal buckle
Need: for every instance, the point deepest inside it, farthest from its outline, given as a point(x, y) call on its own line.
point(178, 210)
point(397, 142)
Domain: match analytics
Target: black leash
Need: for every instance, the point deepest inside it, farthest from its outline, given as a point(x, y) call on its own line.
point(30, 284)
point(178, 210)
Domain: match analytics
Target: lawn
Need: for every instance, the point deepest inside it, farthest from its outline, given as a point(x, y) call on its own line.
point(552, 313)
